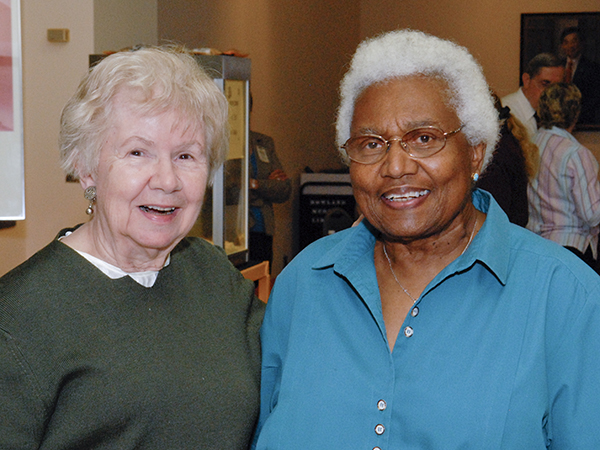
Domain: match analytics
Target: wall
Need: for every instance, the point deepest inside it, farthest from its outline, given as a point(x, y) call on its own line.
point(490, 29)
point(119, 24)
point(51, 73)
point(298, 49)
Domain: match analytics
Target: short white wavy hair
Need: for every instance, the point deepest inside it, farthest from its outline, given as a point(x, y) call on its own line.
point(404, 53)
point(164, 78)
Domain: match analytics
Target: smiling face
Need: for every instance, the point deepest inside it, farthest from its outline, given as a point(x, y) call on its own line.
point(408, 199)
point(150, 182)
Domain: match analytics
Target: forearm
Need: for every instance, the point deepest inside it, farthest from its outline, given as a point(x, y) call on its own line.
point(274, 191)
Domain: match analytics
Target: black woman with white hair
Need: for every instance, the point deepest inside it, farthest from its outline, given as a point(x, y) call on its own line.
point(435, 323)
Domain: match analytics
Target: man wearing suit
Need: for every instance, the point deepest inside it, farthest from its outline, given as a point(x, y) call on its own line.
point(582, 72)
point(268, 184)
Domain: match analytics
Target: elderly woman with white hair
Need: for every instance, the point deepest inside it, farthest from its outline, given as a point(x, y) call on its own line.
point(123, 333)
point(435, 323)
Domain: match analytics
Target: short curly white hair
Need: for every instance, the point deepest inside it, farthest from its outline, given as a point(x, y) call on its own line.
point(405, 53)
point(166, 78)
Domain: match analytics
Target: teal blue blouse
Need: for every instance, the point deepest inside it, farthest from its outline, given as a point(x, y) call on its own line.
point(501, 351)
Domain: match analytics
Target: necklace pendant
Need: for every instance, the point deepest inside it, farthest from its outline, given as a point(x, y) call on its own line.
point(414, 300)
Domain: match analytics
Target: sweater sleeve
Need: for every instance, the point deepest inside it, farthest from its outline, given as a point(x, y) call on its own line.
point(275, 191)
point(22, 413)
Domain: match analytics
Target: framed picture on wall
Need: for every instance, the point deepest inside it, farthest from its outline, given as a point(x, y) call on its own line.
point(12, 178)
point(569, 35)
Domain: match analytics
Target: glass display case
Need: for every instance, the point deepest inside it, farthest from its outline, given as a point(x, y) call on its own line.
point(224, 216)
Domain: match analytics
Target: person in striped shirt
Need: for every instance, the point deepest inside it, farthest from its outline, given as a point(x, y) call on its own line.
point(564, 197)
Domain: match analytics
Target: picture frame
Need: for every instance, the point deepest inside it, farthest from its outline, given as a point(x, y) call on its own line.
point(541, 33)
point(12, 167)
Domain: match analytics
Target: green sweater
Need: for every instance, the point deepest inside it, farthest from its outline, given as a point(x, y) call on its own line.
point(90, 362)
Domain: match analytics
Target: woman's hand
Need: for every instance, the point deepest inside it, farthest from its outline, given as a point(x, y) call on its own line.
point(278, 174)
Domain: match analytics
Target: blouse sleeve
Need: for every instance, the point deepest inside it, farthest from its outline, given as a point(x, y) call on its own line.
point(573, 364)
point(583, 170)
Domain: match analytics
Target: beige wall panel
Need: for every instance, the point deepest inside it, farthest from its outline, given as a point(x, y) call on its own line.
point(298, 49)
point(119, 24)
point(51, 72)
point(490, 29)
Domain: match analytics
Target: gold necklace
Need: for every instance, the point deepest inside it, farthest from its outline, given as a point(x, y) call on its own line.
point(414, 300)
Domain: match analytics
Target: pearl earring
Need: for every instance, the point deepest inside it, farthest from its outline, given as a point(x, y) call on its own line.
point(90, 195)
point(475, 177)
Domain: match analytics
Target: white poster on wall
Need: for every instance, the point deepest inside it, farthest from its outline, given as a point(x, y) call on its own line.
point(12, 173)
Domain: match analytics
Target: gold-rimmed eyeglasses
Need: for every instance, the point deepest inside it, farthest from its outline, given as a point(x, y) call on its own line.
point(418, 143)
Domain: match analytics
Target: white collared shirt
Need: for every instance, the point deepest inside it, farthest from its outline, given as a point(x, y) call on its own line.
point(522, 110)
point(146, 279)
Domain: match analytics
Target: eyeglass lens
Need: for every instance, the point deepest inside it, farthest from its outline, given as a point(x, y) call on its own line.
point(419, 143)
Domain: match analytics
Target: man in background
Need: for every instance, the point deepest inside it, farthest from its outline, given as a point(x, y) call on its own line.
point(268, 184)
point(542, 71)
